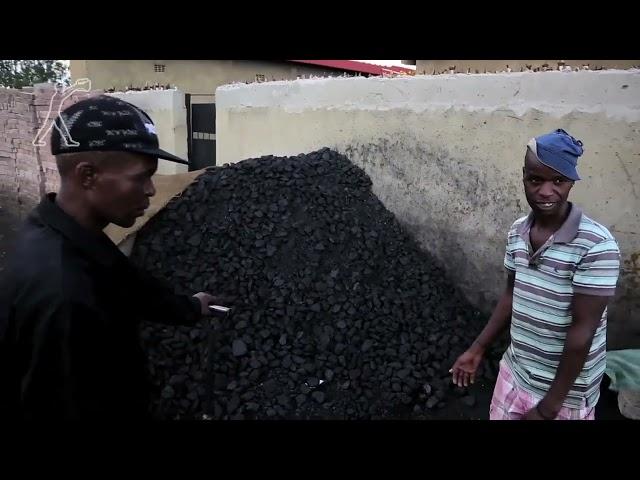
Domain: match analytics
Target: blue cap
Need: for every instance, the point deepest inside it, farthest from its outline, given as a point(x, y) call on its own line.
point(558, 150)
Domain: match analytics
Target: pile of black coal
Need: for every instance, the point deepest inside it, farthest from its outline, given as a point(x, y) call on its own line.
point(339, 313)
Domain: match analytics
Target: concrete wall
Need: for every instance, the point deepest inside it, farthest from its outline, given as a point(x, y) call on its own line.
point(430, 67)
point(190, 76)
point(445, 155)
point(169, 114)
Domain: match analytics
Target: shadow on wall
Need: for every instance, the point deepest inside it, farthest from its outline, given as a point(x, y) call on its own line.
point(435, 193)
point(460, 214)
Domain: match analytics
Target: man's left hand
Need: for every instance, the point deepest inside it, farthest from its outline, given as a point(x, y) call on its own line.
point(532, 415)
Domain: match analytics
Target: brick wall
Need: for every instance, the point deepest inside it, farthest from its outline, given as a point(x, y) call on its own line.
point(27, 172)
point(19, 171)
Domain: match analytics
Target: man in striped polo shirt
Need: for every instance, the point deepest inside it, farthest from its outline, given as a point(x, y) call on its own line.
point(562, 269)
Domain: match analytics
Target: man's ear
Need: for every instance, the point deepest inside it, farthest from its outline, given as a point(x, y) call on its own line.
point(86, 173)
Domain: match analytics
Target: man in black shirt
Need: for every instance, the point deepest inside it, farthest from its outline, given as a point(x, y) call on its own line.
point(71, 302)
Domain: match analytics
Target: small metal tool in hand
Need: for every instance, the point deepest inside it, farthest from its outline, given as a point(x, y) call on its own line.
point(219, 310)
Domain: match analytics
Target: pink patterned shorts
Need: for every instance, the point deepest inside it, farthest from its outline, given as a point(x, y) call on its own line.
point(510, 402)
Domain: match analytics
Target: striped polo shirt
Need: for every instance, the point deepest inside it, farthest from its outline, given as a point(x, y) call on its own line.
point(581, 257)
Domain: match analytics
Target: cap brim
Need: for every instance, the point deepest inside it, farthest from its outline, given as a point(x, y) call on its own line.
point(570, 173)
point(159, 153)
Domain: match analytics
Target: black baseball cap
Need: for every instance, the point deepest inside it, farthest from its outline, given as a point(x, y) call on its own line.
point(106, 124)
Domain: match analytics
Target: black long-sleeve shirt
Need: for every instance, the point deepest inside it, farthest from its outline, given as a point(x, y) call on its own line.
point(70, 307)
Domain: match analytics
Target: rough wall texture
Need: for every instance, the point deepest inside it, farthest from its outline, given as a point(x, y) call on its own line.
point(18, 157)
point(445, 155)
point(27, 171)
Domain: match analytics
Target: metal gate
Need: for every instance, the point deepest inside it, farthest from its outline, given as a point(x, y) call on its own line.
point(201, 128)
